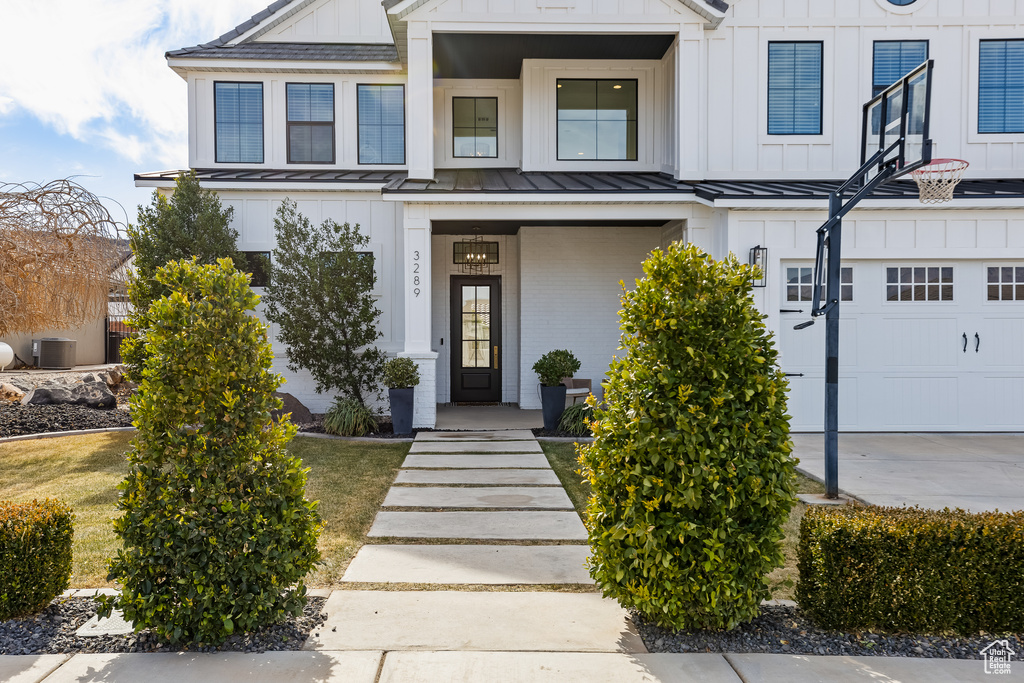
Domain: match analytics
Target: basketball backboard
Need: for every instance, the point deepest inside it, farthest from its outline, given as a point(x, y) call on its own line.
point(905, 108)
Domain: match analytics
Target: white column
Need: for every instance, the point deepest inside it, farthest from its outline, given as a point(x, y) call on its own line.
point(417, 313)
point(419, 132)
point(687, 96)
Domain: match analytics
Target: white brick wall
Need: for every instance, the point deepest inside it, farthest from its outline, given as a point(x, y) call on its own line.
point(569, 295)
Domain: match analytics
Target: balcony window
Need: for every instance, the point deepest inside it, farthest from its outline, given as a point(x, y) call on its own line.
point(310, 123)
point(381, 110)
point(238, 113)
point(475, 127)
point(597, 119)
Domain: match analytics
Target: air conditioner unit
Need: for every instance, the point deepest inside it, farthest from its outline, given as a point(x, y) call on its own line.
point(56, 353)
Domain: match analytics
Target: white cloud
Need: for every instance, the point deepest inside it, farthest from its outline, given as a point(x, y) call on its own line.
point(95, 69)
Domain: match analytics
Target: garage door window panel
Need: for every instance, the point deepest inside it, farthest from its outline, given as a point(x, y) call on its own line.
point(919, 283)
point(800, 284)
point(1006, 283)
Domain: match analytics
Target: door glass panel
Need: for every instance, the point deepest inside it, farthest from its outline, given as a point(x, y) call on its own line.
point(476, 326)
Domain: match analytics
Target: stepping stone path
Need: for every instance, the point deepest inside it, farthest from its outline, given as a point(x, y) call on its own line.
point(457, 494)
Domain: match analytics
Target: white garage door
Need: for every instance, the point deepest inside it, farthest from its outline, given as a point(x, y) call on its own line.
point(924, 346)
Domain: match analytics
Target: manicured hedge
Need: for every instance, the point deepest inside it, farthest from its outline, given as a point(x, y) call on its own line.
point(35, 555)
point(908, 569)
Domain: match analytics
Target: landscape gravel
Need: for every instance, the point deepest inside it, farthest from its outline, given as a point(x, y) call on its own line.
point(784, 630)
point(52, 631)
point(16, 419)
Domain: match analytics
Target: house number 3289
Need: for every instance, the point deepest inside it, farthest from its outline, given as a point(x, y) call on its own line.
point(416, 269)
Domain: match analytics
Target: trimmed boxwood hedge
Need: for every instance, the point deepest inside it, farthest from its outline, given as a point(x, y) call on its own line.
point(908, 569)
point(35, 555)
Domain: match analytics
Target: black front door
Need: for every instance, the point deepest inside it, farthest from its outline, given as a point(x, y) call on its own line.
point(476, 339)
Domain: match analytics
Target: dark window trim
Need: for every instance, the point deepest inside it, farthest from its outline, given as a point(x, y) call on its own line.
point(876, 89)
point(636, 146)
point(821, 86)
point(496, 136)
point(331, 123)
point(263, 123)
point(405, 126)
point(993, 40)
point(254, 282)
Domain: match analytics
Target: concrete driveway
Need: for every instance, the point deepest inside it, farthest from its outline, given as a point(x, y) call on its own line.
point(977, 472)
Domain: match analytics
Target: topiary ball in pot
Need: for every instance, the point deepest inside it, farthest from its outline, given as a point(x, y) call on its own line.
point(690, 467)
point(551, 368)
point(217, 533)
point(401, 376)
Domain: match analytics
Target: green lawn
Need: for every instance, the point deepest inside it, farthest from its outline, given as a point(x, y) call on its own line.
point(350, 479)
point(562, 457)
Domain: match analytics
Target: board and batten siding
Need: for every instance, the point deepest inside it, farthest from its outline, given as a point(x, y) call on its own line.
point(509, 94)
point(332, 21)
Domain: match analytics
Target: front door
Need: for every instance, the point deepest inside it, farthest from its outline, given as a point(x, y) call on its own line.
point(476, 339)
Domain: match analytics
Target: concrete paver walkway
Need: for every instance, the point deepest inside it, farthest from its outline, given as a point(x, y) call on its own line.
point(978, 472)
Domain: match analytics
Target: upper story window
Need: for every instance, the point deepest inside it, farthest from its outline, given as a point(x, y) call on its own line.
point(794, 88)
point(1001, 86)
point(381, 110)
point(894, 59)
point(310, 123)
point(475, 127)
point(238, 113)
point(597, 119)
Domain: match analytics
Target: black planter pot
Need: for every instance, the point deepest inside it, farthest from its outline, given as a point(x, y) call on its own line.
point(401, 410)
point(552, 400)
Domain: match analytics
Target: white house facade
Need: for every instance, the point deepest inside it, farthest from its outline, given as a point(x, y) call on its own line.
point(513, 160)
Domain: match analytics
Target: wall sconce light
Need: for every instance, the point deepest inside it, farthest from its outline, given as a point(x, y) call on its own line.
point(759, 258)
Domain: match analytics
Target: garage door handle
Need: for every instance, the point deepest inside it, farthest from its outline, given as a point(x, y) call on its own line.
point(791, 310)
point(977, 342)
point(965, 342)
point(793, 374)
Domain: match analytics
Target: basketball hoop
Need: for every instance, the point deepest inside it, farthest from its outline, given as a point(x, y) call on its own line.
point(937, 180)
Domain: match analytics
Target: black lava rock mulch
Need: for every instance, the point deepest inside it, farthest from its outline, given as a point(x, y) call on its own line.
point(52, 631)
point(784, 630)
point(16, 419)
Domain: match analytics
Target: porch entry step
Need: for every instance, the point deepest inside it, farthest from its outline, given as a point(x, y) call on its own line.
point(506, 526)
point(477, 461)
point(548, 498)
point(538, 477)
point(505, 435)
point(475, 447)
point(470, 564)
point(457, 620)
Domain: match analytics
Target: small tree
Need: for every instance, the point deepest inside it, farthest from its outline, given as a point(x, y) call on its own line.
point(690, 467)
point(319, 295)
point(190, 224)
point(216, 530)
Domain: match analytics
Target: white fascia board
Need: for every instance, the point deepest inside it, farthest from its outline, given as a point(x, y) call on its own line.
point(866, 205)
point(545, 198)
point(712, 16)
point(271, 186)
point(183, 66)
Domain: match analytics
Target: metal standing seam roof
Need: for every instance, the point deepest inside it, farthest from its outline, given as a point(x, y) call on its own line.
point(332, 52)
point(1009, 188)
point(511, 180)
point(288, 175)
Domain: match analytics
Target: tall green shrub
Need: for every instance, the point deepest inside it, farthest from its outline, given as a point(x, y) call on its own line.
point(216, 530)
point(319, 296)
point(690, 467)
point(35, 554)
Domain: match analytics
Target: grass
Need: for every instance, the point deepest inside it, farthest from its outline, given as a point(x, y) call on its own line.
point(350, 479)
point(562, 457)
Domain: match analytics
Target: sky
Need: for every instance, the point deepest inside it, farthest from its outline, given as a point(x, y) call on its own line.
point(85, 90)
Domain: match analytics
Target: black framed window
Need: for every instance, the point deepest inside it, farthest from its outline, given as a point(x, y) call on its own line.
point(794, 88)
point(597, 119)
point(238, 117)
point(258, 264)
point(894, 59)
point(475, 127)
point(1001, 86)
point(381, 112)
point(310, 123)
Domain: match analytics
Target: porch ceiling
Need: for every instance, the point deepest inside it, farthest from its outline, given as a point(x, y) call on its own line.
point(501, 55)
point(512, 227)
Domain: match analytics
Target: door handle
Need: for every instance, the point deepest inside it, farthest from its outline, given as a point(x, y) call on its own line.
point(496, 358)
point(791, 310)
point(965, 342)
point(977, 342)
